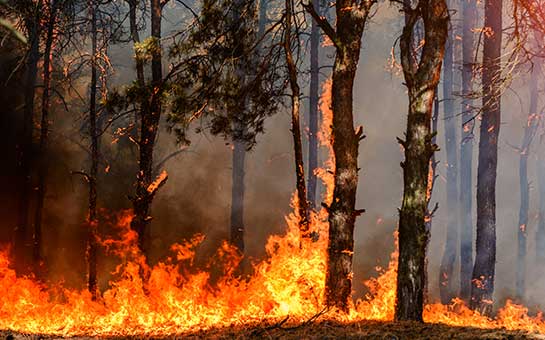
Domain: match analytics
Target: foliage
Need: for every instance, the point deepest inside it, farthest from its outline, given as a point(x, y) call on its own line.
point(225, 73)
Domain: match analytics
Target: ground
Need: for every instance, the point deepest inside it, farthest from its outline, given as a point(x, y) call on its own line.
point(331, 330)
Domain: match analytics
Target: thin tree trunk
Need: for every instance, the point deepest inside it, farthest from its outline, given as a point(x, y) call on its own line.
point(44, 134)
point(237, 195)
point(485, 257)
point(296, 126)
point(92, 284)
point(466, 151)
point(148, 133)
point(21, 245)
point(529, 132)
point(446, 270)
point(540, 232)
point(421, 78)
point(313, 108)
point(136, 39)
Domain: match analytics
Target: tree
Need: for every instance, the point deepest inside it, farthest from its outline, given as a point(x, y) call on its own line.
point(230, 77)
point(446, 270)
point(31, 13)
point(150, 116)
point(92, 284)
point(302, 203)
point(421, 78)
point(469, 13)
point(352, 17)
point(44, 132)
point(313, 108)
point(530, 129)
point(482, 287)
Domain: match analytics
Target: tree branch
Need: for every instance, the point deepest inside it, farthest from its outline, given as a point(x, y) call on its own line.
point(323, 23)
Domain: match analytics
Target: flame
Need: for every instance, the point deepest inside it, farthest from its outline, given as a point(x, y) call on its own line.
point(173, 297)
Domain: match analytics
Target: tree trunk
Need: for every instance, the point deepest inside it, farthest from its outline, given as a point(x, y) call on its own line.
point(529, 133)
point(136, 39)
point(92, 284)
point(21, 246)
point(314, 97)
point(540, 232)
point(446, 270)
point(421, 78)
point(466, 151)
point(296, 126)
point(150, 117)
point(237, 195)
point(351, 20)
point(485, 257)
point(44, 134)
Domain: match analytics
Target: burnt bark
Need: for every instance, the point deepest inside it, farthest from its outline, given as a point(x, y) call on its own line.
point(313, 119)
point(346, 37)
point(421, 79)
point(446, 271)
point(237, 195)
point(466, 151)
point(149, 125)
point(92, 283)
point(302, 204)
point(530, 128)
point(44, 135)
point(24, 163)
point(482, 287)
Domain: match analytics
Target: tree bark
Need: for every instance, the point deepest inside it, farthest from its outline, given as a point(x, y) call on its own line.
point(482, 288)
point(92, 283)
point(150, 117)
point(302, 204)
point(351, 20)
point(237, 195)
point(522, 233)
point(421, 78)
point(21, 245)
point(44, 134)
point(466, 151)
point(446, 270)
point(314, 97)
point(540, 232)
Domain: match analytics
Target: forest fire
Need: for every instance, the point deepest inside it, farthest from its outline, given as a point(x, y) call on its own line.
point(169, 298)
point(118, 94)
point(289, 283)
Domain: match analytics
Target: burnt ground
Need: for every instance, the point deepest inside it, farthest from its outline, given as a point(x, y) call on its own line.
point(331, 330)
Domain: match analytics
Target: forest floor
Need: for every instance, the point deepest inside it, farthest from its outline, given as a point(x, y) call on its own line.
point(331, 330)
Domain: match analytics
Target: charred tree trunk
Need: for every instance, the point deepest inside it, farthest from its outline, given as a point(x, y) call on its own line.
point(237, 195)
point(44, 134)
point(314, 97)
point(351, 19)
point(421, 78)
point(133, 4)
point(44, 131)
point(482, 287)
point(529, 133)
point(21, 246)
point(446, 270)
point(466, 151)
point(150, 117)
point(296, 126)
point(92, 283)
